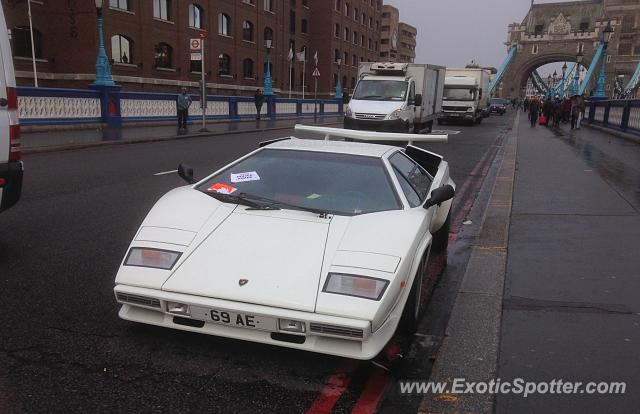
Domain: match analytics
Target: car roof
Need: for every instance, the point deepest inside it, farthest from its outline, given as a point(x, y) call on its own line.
point(339, 147)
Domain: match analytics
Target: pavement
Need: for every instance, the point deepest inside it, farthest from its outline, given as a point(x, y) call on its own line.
point(569, 309)
point(59, 139)
point(63, 348)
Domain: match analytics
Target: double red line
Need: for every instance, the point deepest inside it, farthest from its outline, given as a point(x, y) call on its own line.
point(338, 383)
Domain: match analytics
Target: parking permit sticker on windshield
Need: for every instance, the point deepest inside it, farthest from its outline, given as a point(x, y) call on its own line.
point(244, 177)
point(222, 188)
point(314, 196)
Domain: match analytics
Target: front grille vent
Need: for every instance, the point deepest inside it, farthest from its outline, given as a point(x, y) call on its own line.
point(336, 330)
point(138, 300)
point(376, 117)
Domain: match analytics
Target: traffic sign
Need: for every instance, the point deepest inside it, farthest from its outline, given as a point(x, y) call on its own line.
point(316, 73)
point(203, 35)
point(195, 44)
point(196, 56)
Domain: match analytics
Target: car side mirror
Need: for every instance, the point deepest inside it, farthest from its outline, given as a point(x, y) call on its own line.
point(186, 172)
point(440, 195)
point(418, 100)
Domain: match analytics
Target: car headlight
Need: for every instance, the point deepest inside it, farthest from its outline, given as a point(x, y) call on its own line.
point(395, 114)
point(469, 109)
point(358, 286)
point(348, 112)
point(154, 258)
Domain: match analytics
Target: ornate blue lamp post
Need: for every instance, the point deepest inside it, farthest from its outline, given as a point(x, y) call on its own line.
point(268, 81)
point(339, 82)
point(576, 86)
point(602, 79)
point(103, 68)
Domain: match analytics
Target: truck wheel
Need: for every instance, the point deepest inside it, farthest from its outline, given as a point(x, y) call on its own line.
point(417, 128)
point(414, 307)
point(429, 127)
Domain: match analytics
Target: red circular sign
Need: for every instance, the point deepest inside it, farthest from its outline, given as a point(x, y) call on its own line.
point(202, 35)
point(195, 44)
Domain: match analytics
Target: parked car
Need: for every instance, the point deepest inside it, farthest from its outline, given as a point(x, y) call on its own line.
point(11, 168)
point(499, 106)
point(315, 245)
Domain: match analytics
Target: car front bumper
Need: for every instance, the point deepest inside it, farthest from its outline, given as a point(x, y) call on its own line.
point(397, 125)
point(455, 115)
point(10, 184)
point(366, 347)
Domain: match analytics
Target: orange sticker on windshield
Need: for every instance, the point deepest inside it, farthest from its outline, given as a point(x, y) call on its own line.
point(222, 188)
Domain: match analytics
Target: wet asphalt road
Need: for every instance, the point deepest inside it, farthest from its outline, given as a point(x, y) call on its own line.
point(63, 348)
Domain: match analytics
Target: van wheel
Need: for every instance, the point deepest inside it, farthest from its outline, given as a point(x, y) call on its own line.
point(414, 307)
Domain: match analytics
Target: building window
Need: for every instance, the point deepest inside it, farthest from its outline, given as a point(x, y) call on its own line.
point(624, 49)
point(534, 51)
point(580, 47)
point(337, 5)
point(346, 34)
point(121, 49)
point(364, 19)
point(370, 22)
point(337, 30)
point(247, 68)
point(119, 4)
point(292, 22)
point(161, 9)
point(539, 30)
point(304, 26)
point(584, 26)
point(195, 16)
point(224, 24)
point(354, 38)
point(247, 31)
point(354, 60)
point(22, 42)
point(251, 2)
point(362, 40)
point(268, 5)
point(268, 33)
point(163, 56)
point(355, 14)
point(370, 45)
point(346, 9)
point(336, 55)
point(345, 59)
point(224, 64)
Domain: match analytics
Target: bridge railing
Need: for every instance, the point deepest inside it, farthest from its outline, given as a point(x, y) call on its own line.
point(618, 114)
point(56, 106)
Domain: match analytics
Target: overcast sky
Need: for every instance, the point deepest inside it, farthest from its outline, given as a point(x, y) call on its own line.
point(454, 32)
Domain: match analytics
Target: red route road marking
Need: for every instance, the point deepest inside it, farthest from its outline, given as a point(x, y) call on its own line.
point(373, 391)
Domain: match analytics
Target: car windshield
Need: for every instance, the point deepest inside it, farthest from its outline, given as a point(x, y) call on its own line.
point(458, 94)
point(380, 90)
point(341, 184)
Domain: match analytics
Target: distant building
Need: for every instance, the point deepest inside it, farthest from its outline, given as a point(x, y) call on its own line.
point(397, 39)
point(148, 42)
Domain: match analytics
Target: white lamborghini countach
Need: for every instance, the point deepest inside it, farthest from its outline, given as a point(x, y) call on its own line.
point(318, 245)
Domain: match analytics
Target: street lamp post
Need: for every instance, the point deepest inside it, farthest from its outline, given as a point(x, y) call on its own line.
point(268, 81)
point(602, 79)
point(554, 89)
point(103, 68)
point(564, 76)
point(339, 82)
point(549, 80)
point(576, 84)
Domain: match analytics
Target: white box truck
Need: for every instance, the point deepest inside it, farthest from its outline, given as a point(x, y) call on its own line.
point(395, 97)
point(11, 169)
point(465, 95)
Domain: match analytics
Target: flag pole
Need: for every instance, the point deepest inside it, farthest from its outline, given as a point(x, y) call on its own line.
point(304, 72)
point(291, 57)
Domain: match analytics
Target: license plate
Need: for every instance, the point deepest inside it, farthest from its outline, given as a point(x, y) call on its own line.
point(455, 115)
point(242, 320)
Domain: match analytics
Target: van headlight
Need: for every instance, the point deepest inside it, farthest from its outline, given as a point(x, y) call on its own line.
point(354, 285)
point(154, 258)
point(469, 109)
point(347, 112)
point(395, 114)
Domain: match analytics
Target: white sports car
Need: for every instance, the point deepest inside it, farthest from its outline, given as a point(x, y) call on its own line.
point(317, 245)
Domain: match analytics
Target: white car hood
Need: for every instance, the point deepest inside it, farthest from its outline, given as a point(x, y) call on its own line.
point(279, 254)
point(374, 107)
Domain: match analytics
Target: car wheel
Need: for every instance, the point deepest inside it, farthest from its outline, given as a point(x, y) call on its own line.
point(412, 311)
point(441, 237)
point(479, 120)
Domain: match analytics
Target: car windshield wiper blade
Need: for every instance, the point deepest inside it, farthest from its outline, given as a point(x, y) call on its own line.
point(243, 200)
point(283, 204)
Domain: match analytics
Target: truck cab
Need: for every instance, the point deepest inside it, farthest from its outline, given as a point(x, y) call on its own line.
point(395, 97)
point(465, 97)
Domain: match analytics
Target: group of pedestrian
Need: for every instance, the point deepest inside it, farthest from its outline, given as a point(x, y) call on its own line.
point(185, 101)
point(554, 111)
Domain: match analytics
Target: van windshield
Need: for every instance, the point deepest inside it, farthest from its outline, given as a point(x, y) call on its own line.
point(380, 90)
point(458, 94)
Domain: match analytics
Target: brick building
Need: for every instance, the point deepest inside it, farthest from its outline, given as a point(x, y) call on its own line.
point(397, 39)
point(148, 42)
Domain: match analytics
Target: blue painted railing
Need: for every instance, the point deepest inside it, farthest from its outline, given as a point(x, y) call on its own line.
point(619, 114)
point(53, 106)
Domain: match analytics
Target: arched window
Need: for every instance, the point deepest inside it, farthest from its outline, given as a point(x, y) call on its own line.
point(247, 31)
point(247, 68)
point(336, 55)
point(304, 26)
point(224, 64)
point(163, 56)
point(195, 16)
point(337, 29)
point(345, 61)
point(22, 42)
point(268, 33)
point(354, 60)
point(121, 49)
point(224, 24)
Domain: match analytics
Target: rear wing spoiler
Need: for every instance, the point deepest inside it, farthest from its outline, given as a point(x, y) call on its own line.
point(370, 136)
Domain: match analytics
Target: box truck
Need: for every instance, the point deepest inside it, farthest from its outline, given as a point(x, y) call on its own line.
point(465, 95)
point(395, 97)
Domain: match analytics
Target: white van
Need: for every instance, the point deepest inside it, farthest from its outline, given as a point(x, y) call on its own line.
point(11, 168)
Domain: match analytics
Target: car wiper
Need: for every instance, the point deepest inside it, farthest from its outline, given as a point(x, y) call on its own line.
point(320, 212)
point(243, 200)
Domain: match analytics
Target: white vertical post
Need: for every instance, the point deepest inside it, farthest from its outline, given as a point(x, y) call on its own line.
point(33, 48)
point(203, 93)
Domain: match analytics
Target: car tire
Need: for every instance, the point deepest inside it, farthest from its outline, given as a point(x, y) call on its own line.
point(440, 241)
point(413, 308)
point(479, 120)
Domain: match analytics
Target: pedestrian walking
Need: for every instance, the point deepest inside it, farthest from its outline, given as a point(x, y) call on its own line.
point(258, 99)
point(184, 102)
point(575, 111)
point(582, 107)
point(534, 110)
